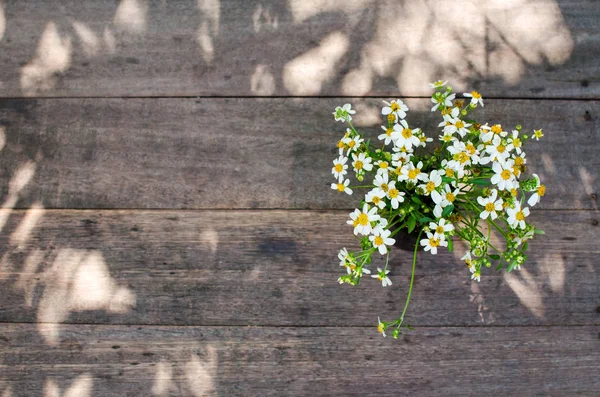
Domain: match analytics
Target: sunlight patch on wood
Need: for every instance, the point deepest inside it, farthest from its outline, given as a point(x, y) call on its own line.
point(306, 74)
point(131, 16)
point(81, 387)
point(32, 217)
point(90, 43)
point(53, 56)
point(526, 288)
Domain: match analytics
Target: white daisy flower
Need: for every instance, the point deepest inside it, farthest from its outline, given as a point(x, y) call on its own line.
point(352, 143)
point(383, 167)
point(396, 107)
point(433, 181)
point(412, 173)
point(490, 205)
point(537, 134)
point(443, 199)
point(442, 99)
point(438, 84)
point(381, 239)
point(503, 177)
point(400, 158)
point(431, 243)
point(452, 123)
point(407, 137)
point(516, 141)
point(391, 134)
point(342, 186)
point(517, 215)
point(376, 196)
point(498, 151)
point(539, 192)
point(361, 220)
point(475, 98)
point(361, 162)
point(447, 137)
point(342, 113)
point(395, 195)
point(441, 228)
point(343, 256)
point(339, 167)
point(382, 276)
point(487, 132)
point(382, 182)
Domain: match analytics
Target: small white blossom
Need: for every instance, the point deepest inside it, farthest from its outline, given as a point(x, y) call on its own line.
point(395, 195)
point(391, 134)
point(376, 196)
point(413, 173)
point(517, 215)
point(362, 162)
point(382, 276)
point(503, 177)
point(442, 99)
point(539, 192)
point(342, 113)
point(361, 220)
point(431, 243)
point(352, 143)
point(438, 84)
point(407, 137)
point(475, 98)
point(339, 167)
point(381, 239)
point(441, 228)
point(490, 205)
point(397, 107)
point(342, 186)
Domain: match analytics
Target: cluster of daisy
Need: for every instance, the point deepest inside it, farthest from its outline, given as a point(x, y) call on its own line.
point(471, 183)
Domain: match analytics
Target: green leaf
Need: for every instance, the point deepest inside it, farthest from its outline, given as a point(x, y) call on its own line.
point(499, 266)
point(416, 199)
point(447, 210)
point(447, 179)
point(525, 246)
point(512, 265)
point(480, 181)
point(425, 220)
point(412, 222)
point(494, 257)
point(450, 245)
point(538, 231)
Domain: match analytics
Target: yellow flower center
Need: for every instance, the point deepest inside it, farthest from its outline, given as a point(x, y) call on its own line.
point(471, 149)
point(376, 200)
point(381, 328)
point(449, 173)
point(430, 186)
point(519, 161)
point(391, 117)
point(445, 112)
point(395, 107)
point(393, 193)
point(378, 241)
point(363, 219)
point(384, 187)
point(338, 168)
point(496, 128)
point(489, 207)
point(459, 124)
point(407, 133)
point(468, 262)
point(351, 144)
point(520, 216)
point(358, 165)
point(439, 230)
point(475, 94)
point(501, 148)
point(341, 145)
point(412, 174)
point(505, 175)
point(462, 157)
point(383, 164)
point(355, 223)
point(538, 133)
point(517, 142)
point(447, 138)
point(340, 187)
point(450, 197)
point(513, 192)
point(434, 242)
point(541, 190)
point(516, 170)
point(389, 131)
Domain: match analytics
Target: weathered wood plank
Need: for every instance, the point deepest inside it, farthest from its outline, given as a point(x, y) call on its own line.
point(244, 153)
point(248, 361)
point(273, 268)
point(534, 48)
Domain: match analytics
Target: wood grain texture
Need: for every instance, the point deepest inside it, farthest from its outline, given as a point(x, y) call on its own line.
point(534, 48)
point(245, 153)
point(123, 361)
point(273, 268)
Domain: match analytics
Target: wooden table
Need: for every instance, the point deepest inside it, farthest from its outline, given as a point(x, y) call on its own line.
point(167, 227)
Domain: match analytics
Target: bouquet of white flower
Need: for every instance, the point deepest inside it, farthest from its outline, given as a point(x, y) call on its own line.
point(471, 183)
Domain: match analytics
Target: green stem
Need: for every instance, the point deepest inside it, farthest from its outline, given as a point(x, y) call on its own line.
point(412, 279)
